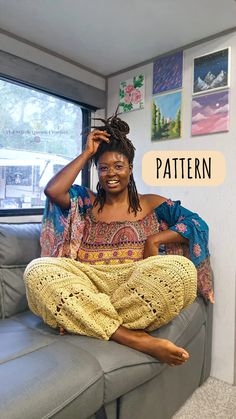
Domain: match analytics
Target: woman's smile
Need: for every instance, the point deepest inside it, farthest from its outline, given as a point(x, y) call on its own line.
point(113, 182)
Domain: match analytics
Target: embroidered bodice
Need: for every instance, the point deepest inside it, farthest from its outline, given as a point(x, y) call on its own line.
point(117, 241)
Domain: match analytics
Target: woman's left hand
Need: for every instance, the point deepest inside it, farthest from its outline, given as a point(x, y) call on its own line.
point(150, 248)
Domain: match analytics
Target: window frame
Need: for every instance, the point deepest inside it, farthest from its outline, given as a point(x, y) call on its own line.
point(86, 125)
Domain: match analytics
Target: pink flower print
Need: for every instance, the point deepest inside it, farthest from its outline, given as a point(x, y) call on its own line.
point(136, 96)
point(129, 89)
point(197, 250)
point(127, 99)
point(181, 227)
point(80, 202)
point(163, 225)
point(63, 221)
point(170, 202)
point(181, 218)
point(87, 201)
point(195, 222)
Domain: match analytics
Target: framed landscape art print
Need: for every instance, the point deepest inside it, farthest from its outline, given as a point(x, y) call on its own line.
point(166, 116)
point(211, 71)
point(210, 113)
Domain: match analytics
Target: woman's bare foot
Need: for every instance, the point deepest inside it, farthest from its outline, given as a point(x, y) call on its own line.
point(162, 349)
point(166, 351)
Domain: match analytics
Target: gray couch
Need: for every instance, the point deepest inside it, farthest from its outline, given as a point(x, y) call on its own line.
point(45, 375)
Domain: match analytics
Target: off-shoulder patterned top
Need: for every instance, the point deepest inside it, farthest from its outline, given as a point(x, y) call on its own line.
point(115, 242)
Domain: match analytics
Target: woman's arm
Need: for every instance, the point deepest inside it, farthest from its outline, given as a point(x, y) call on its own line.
point(57, 189)
point(178, 225)
point(164, 237)
point(152, 202)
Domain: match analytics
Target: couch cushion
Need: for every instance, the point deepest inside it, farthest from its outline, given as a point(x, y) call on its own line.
point(18, 340)
point(125, 368)
point(19, 244)
point(12, 291)
point(185, 326)
point(43, 376)
point(32, 321)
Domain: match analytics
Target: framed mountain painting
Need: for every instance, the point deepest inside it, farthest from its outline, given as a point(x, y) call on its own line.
point(210, 113)
point(166, 116)
point(211, 71)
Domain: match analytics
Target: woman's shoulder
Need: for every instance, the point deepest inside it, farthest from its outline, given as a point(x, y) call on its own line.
point(151, 201)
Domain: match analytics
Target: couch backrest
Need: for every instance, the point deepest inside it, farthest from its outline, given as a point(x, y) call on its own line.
point(19, 244)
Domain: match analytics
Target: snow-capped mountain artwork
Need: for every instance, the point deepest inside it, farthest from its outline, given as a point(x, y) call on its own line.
point(211, 71)
point(220, 80)
point(211, 81)
point(209, 77)
point(200, 85)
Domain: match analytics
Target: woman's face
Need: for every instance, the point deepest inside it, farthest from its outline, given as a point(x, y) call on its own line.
point(114, 171)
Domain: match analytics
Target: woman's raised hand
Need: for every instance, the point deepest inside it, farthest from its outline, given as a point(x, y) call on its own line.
point(94, 139)
point(58, 187)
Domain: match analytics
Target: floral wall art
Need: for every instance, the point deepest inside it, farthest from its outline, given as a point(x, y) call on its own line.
point(131, 94)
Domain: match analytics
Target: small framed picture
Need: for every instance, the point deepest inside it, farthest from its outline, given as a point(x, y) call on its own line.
point(168, 73)
point(211, 71)
point(132, 94)
point(210, 113)
point(166, 116)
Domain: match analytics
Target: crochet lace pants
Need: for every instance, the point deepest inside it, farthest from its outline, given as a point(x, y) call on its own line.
point(94, 300)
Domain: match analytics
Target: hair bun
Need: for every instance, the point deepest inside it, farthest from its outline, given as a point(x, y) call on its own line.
point(122, 126)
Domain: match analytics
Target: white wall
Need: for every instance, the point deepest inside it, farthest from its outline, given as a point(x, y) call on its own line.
point(215, 204)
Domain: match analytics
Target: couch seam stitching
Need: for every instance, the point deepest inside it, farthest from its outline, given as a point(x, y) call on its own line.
point(72, 398)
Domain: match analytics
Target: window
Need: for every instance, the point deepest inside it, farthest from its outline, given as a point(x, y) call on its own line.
point(39, 134)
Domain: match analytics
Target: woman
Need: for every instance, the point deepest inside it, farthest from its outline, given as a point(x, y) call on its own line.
point(105, 278)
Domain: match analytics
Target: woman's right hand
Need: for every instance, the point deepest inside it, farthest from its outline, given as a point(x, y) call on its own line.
point(58, 187)
point(94, 139)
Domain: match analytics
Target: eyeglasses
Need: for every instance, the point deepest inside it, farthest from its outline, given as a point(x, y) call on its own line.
point(117, 168)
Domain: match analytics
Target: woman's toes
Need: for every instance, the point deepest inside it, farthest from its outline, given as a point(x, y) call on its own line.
point(183, 355)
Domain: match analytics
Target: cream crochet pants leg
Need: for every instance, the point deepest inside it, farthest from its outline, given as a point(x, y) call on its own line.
point(94, 300)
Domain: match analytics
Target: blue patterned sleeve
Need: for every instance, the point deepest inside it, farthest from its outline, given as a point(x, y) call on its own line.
point(189, 225)
point(57, 216)
point(58, 223)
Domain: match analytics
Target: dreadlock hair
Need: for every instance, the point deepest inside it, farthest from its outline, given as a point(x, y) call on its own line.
point(119, 142)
